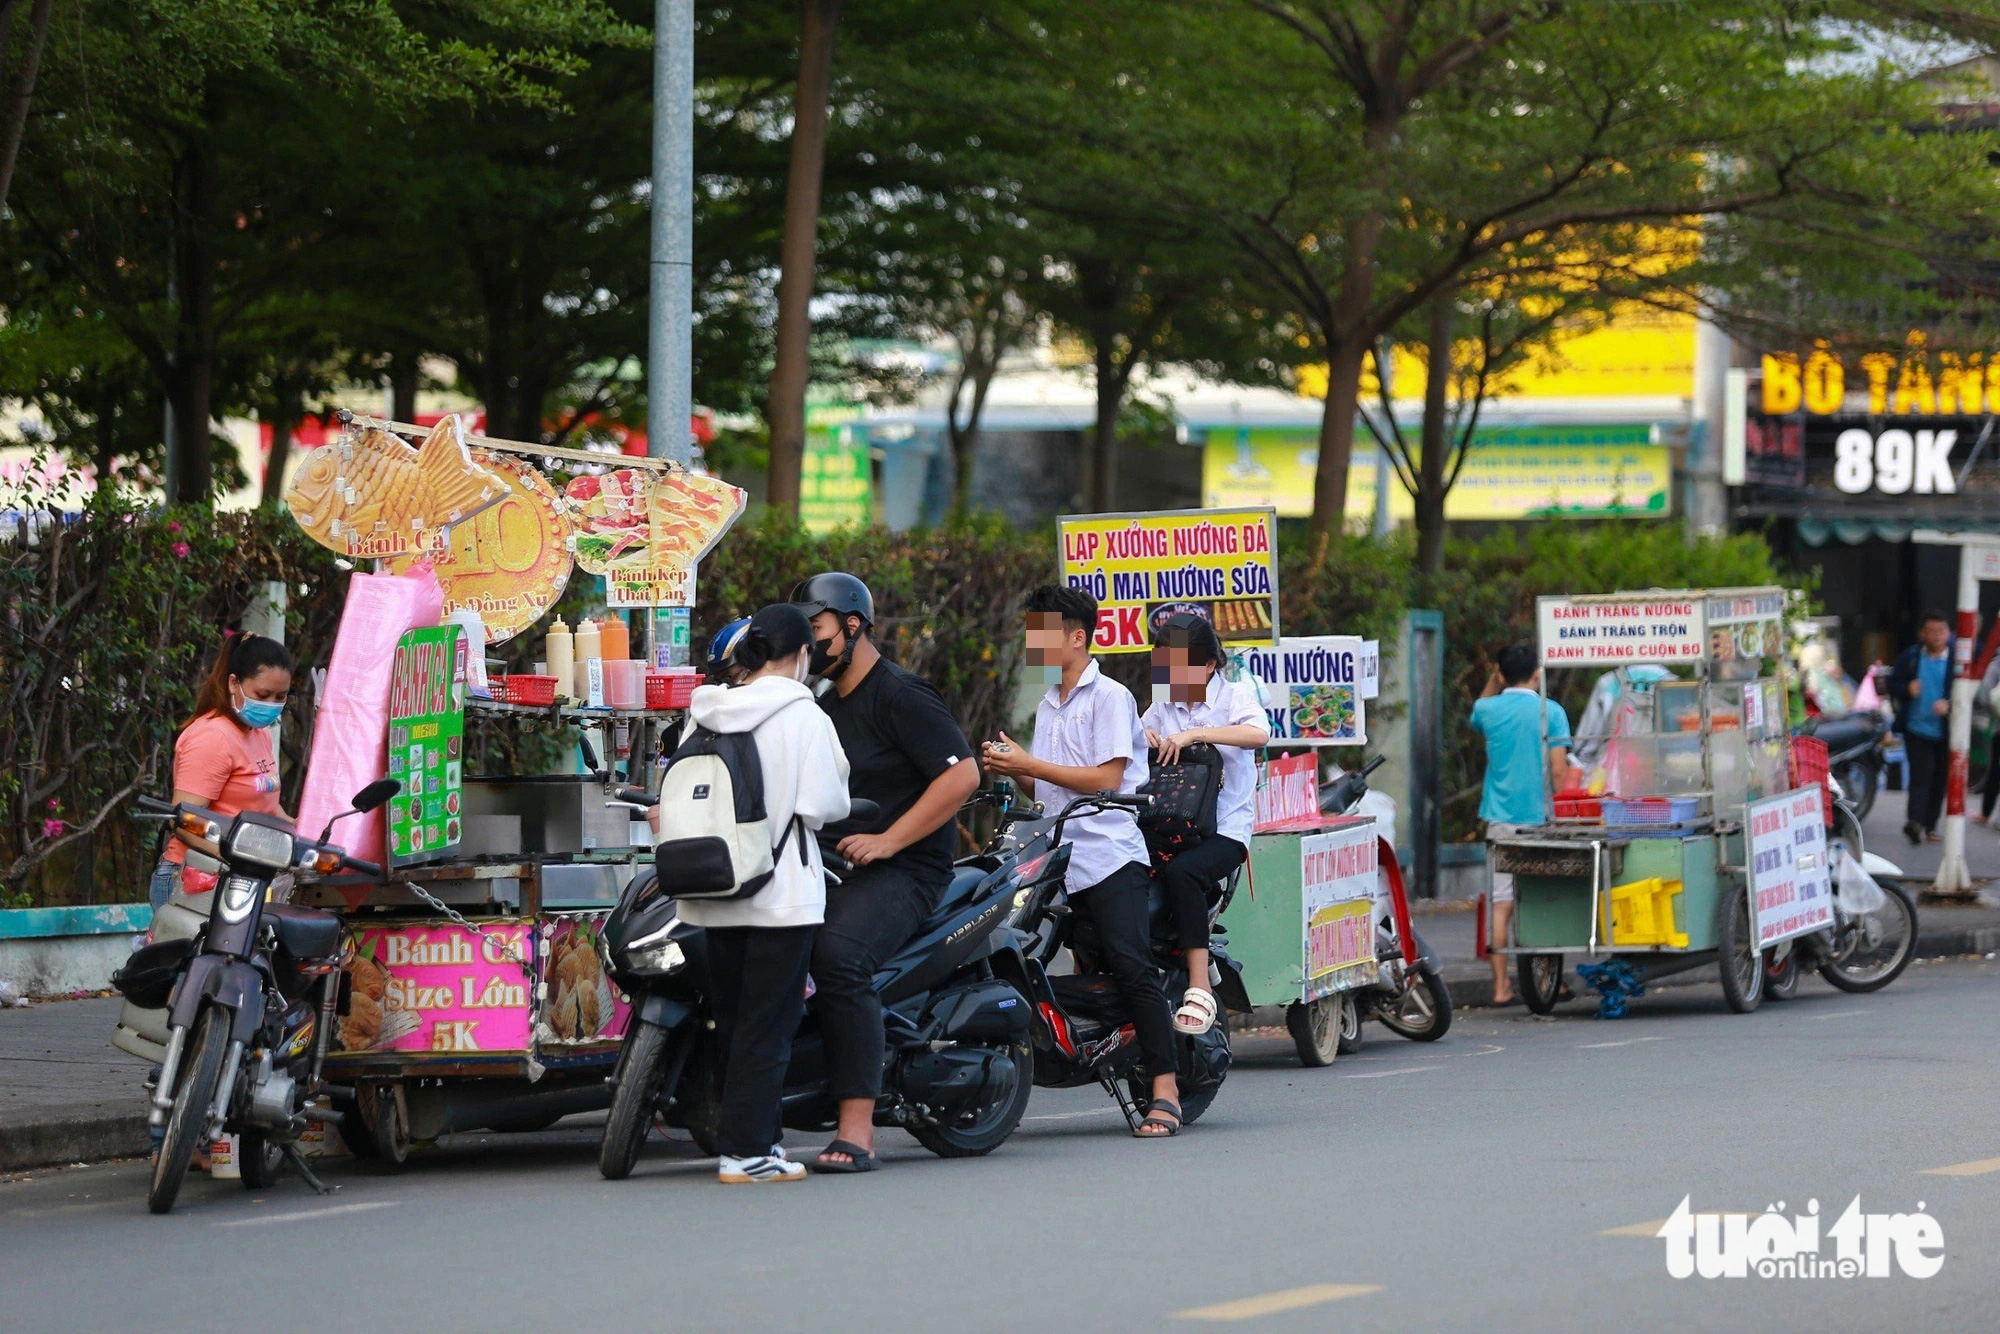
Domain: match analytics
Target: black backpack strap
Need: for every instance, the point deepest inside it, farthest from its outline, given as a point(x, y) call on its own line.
point(779, 850)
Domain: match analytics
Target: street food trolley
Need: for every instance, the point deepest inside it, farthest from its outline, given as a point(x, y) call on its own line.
point(1304, 933)
point(477, 996)
point(1696, 834)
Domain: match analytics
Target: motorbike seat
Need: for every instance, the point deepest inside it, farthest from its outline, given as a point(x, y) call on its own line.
point(304, 933)
point(1845, 734)
point(1089, 996)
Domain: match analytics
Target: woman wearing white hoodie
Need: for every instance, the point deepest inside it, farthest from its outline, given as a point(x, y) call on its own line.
point(759, 946)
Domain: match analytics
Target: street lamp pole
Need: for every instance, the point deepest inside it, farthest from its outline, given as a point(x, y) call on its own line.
point(670, 324)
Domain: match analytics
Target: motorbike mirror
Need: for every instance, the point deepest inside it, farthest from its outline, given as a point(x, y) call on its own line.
point(377, 792)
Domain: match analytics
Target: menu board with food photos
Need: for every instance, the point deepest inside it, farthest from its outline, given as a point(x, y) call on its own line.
point(427, 744)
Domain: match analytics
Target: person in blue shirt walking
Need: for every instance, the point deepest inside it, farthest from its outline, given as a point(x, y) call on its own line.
point(1527, 756)
point(1921, 687)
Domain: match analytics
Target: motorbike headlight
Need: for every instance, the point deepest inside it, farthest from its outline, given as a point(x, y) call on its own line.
point(664, 958)
point(260, 844)
point(238, 895)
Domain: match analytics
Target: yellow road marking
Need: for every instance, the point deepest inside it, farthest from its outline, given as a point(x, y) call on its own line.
point(1270, 1303)
point(1652, 1229)
point(1973, 1169)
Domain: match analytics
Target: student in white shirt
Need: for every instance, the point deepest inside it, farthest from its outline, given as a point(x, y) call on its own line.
point(1088, 740)
point(1193, 702)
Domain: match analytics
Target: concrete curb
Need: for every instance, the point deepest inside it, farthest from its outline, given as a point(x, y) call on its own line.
point(80, 1136)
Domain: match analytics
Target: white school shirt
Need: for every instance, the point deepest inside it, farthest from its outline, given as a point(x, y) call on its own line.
point(1229, 704)
point(1097, 723)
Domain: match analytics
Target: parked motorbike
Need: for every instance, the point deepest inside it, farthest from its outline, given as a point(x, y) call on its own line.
point(251, 998)
point(1084, 1034)
point(958, 1064)
point(1874, 935)
point(1409, 996)
point(1854, 755)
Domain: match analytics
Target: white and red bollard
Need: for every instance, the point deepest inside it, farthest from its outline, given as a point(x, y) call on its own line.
point(1978, 562)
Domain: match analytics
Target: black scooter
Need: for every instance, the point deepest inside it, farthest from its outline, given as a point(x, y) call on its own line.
point(1854, 755)
point(958, 1066)
point(1084, 1034)
point(252, 998)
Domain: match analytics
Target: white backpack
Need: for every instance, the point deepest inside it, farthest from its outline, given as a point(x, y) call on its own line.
point(715, 836)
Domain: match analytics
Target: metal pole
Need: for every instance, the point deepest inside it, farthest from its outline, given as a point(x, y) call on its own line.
point(1385, 367)
point(669, 352)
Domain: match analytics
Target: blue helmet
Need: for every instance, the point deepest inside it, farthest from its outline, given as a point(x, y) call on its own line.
point(725, 640)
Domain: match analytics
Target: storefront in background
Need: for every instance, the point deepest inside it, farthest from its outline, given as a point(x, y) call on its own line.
point(1845, 459)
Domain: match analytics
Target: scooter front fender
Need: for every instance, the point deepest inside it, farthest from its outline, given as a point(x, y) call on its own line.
point(220, 979)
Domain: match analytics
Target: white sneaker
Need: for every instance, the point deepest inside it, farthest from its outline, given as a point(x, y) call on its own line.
point(754, 1171)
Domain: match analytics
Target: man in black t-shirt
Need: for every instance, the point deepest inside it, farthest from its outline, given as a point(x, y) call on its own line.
point(905, 752)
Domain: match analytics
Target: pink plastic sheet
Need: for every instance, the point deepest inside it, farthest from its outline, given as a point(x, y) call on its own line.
point(350, 746)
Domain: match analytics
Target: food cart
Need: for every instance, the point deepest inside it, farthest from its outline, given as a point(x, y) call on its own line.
point(1688, 841)
point(477, 997)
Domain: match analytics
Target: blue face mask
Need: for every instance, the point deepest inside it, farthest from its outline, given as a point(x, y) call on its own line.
point(260, 713)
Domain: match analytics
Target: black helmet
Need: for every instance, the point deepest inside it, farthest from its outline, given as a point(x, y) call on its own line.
point(836, 592)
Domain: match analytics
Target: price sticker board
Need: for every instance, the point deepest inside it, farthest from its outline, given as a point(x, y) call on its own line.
point(1791, 883)
point(1339, 872)
point(427, 744)
point(1144, 567)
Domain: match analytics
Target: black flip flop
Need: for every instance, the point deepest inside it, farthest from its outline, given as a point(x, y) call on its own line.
point(864, 1159)
point(1172, 1109)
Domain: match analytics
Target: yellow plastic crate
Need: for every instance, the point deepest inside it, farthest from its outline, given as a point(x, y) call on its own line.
point(1642, 913)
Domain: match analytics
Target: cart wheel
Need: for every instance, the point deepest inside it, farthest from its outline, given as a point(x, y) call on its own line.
point(1315, 1030)
point(1781, 976)
point(1350, 1024)
point(1539, 979)
point(1736, 954)
point(387, 1117)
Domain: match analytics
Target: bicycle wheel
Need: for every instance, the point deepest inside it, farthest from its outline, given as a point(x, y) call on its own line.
point(1737, 956)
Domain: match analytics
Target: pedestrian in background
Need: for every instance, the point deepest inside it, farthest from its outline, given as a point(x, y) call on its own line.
point(1921, 687)
point(1990, 793)
point(1527, 757)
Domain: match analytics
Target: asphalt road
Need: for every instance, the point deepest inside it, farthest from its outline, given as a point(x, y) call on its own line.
point(1498, 1180)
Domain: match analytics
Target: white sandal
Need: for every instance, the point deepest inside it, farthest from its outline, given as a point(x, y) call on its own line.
point(1197, 1013)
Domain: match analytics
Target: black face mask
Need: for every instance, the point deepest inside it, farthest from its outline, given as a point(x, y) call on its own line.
point(824, 663)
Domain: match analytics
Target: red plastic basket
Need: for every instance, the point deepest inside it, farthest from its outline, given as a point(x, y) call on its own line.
point(1809, 765)
point(671, 689)
point(538, 691)
point(1575, 803)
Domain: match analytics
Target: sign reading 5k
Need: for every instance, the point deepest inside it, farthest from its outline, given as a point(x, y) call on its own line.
point(1770, 1245)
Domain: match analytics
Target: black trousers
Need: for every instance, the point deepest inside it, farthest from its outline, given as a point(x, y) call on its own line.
point(1190, 878)
point(759, 976)
point(869, 916)
point(1991, 792)
point(1116, 905)
point(1930, 766)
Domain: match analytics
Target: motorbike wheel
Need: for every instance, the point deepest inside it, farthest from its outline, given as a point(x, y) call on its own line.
point(1781, 979)
point(1539, 979)
point(1741, 965)
point(1350, 1024)
point(1422, 1013)
point(1315, 1030)
point(640, 1066)
point(194, 1094)
point(988, 1128)
point(262, 1160)
point(1859, 782)
point(1871, 952)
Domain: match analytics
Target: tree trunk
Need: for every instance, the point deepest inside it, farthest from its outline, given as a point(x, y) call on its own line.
point(1103, 483)
point(403, 386)
point(15, 128)
point(288, 410)
point(192, 382)
point(1336, 435)
point(785, 407)
point(965, 436)
point(1436, 456)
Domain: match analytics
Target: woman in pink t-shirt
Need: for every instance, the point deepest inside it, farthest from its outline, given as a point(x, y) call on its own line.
point(223, 760)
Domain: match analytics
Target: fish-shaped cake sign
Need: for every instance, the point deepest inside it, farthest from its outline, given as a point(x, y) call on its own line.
point(368, 495)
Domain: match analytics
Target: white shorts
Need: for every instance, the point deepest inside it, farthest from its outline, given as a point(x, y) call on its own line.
point(1503, 881)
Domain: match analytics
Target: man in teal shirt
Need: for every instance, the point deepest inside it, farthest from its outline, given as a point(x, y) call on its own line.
point(1526, 758)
